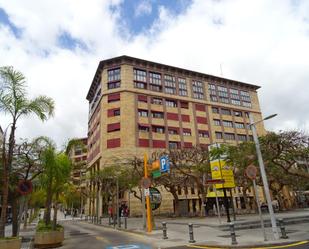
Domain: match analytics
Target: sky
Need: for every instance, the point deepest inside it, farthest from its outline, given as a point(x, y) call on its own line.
point(57, 45)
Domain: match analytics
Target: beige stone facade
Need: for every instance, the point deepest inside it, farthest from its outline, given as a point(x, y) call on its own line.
point(138, 106)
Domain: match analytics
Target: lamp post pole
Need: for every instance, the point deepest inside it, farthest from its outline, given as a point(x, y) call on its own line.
point(264, 178)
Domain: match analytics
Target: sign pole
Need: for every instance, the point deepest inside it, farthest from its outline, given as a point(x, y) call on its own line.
point(143, 208)
point(217, 202)
point(149, 225)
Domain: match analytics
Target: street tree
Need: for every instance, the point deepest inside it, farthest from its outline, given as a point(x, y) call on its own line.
point(14, 102)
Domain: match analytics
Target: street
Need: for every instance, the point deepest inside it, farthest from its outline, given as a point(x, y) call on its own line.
point(84, 235)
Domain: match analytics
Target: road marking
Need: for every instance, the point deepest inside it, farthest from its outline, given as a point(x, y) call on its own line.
point(102, 239)
point(284, 246)
point(269, 247)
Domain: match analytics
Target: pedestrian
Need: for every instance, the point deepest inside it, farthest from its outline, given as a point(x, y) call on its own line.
point(65, 213)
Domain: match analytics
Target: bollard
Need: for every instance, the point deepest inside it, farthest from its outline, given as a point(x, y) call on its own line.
point(282, 228)
point(191, 235)
point(233, 235)
point(109, 220)
point(164, 228)
point(125, 222)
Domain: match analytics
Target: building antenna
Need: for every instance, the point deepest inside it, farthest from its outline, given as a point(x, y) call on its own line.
point(221, 70)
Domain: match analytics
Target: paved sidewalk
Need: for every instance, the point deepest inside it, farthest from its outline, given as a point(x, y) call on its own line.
point(208, 231)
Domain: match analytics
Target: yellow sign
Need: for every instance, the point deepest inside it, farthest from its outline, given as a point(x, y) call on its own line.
point(220, 170)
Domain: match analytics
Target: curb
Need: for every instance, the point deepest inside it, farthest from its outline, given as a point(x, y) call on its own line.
point(257, 245)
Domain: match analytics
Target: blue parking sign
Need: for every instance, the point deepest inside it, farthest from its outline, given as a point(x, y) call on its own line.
point(164, 164)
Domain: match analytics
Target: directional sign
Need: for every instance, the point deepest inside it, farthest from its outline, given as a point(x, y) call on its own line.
point(164, 164)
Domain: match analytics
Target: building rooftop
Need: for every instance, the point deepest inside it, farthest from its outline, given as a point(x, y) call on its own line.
point(129, 59)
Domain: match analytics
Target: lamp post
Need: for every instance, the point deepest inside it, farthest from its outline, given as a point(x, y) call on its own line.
point(263, 174)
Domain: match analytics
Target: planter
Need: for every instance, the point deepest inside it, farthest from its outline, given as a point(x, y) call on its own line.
point(48, 239)
point(11, 243)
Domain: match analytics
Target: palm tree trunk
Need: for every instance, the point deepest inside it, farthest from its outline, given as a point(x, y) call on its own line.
point(15, 216)
point(48, 203)
point(5, 190)
point(55, 212)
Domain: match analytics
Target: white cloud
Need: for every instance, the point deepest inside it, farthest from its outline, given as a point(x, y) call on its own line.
point(144, 7)
point(259, 42)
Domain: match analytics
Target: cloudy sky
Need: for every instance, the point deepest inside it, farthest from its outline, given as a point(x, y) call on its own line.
point(58, 44)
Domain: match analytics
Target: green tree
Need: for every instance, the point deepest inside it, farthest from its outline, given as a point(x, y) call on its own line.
point(57, 168)
point(14, 102)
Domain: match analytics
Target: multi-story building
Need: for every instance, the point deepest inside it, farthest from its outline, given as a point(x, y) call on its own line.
point(138, 106)
point(78, 156)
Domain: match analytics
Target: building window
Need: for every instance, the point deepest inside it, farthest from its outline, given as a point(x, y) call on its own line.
point(178, 190)
point(142, 98)
point(113, 127)
point(170, 103)
point(225, 112)
point(213, 98)
point(113, 85)
point(173, 145)
point(234, 94)
point(158, 129)
point(217, 122)
point(215, 110)
point(219, 135)
point(113, 75)
point(186, 132)
point(184, 105)
point(140, 75)
point(157, 114)
point(170, 84)
point(155, 82)
point(113, 97)
point(241, 137)
point(203, 133)
point(239, 125)
point(142, 113)
point(247, 114)
point(198, 92)
point(143, 128)
point(227, 123)
point(235, 102)
point(238, 113)
point(246, 104)
point(113, 143)
point(173, 131)
point(113, 112)
point(229, 136)
point(250, 138)
point(222, 92)
point(140, 85)
point(182, 85)
point(156, 101)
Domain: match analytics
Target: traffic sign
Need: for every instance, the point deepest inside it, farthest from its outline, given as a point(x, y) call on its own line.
point(155, 198)
point(251, 172)
point(156, 174)
point(24, 187)
point(215, 181)
point(164, 164)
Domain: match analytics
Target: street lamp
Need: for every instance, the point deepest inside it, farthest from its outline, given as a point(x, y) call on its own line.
point(263, 173)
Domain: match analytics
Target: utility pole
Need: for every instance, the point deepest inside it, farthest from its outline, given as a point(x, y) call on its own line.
point(149, 224)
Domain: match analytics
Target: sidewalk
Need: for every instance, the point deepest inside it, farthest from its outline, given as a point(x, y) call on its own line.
point(208, 230)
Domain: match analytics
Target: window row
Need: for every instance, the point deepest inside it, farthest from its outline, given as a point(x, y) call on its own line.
point(170, 130)
point(156, 80)
point(229, 96)
point(162, 144)
point(228, 123)
point(229, 112)
point(232, 136)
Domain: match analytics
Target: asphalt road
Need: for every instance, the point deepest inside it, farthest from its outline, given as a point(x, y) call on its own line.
point(80, 235)
point(87, 236)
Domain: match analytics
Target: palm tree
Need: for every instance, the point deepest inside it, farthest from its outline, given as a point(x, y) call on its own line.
point(14, 102)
